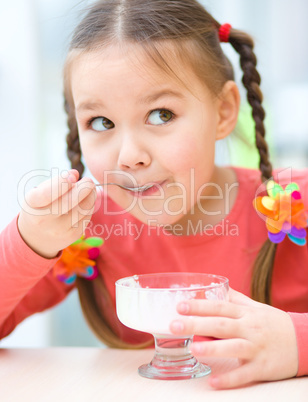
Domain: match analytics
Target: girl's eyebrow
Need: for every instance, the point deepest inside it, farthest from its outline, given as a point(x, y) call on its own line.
point(161, 94)
point(90, 105)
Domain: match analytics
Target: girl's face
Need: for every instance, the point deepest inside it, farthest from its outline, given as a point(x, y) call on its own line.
point(137, 125)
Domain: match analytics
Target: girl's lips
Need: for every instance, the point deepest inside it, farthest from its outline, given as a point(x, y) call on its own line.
point(152, 190)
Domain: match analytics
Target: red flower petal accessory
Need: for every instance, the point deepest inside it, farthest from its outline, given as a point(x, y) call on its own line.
point(78, 259)
point(285, 213)
point(224, 32)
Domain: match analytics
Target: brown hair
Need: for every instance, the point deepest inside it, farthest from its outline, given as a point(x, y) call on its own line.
point(193, 33)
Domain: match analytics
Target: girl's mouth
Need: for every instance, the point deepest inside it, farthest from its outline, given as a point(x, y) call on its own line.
point(147, 189)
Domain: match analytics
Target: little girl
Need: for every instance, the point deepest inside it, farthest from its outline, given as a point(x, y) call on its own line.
point(148, 92)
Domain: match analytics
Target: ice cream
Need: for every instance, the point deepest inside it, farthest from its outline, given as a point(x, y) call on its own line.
point(152, 310)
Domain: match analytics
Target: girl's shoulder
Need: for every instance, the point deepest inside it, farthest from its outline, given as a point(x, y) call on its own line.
point(251, 186)
point(251, 178)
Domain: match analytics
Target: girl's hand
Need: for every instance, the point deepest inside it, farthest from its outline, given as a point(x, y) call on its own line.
point(260, 336)
point(55, 213)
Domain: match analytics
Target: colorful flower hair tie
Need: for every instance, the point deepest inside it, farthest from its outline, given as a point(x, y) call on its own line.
point(78, 259)
point(285, 213)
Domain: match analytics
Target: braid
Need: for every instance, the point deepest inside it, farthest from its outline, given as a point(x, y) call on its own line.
point(72, 140)
point(243, 44)
point(263, 266)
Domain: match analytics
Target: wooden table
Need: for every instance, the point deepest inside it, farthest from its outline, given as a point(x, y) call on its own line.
point(95, 374)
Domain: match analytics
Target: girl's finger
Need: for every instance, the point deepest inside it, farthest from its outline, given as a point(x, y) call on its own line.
point(227, 348)
point(50, 190)
point(203, 307)
point(217, 327)
point(75, 173)
point(240, 299)
point(235, 378)
point(79, 228)
point(74, 232)
point(80, 191)
point(83, 210)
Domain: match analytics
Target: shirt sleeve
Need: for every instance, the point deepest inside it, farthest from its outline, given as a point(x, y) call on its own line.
point(300, 322)
point(27, 285)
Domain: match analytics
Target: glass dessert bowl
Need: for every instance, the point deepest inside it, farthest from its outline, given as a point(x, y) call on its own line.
point(148, 303)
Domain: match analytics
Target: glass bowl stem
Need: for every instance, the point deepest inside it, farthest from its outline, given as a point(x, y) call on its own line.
point(173, 360)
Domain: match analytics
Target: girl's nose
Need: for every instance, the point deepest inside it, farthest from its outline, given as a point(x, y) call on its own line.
point(133, 154)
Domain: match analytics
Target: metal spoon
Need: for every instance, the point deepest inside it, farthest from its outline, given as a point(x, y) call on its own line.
point(135, 189)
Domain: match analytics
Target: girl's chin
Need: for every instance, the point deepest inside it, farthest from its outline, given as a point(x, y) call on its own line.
point(151, 214)
point(159, 220)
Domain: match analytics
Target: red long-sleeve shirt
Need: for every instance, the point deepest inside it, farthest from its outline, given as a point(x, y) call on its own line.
point(27, 284)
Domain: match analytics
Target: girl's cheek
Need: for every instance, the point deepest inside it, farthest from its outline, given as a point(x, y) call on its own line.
point(99, 171)
point(97, 158)
point(183, 158)
point(98, 165)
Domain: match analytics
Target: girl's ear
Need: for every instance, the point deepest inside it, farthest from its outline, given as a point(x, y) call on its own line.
point(228, 109)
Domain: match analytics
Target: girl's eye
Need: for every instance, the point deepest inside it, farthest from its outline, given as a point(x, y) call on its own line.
point(101, 124)
point(160, 116)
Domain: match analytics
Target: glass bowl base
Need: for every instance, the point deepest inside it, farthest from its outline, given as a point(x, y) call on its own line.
point(174, 372)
